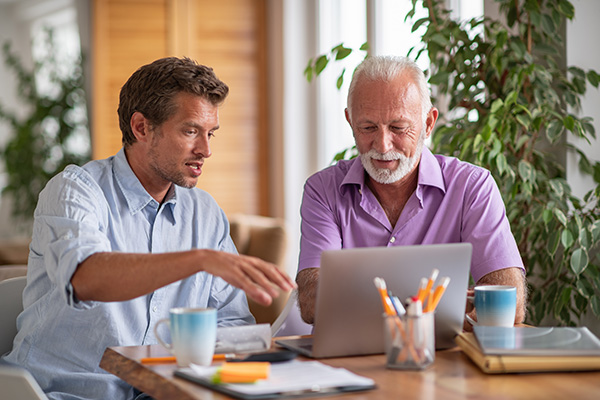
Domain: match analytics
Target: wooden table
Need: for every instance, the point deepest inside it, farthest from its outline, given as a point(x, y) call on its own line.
point(452, 376)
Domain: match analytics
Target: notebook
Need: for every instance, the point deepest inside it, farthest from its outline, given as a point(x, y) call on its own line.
point(348, 314)
point(542, 341)
point(530, 349)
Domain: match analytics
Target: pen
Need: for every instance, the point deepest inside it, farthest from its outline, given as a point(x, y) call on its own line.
point(173, 359)
point(437, 294)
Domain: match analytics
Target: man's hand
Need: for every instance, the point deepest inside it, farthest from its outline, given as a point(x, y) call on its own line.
point(510, 277)
point(259, 279)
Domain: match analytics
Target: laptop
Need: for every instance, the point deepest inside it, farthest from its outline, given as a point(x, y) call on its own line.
point(348, 313)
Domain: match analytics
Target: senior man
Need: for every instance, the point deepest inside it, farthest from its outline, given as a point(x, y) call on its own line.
point(399, 193)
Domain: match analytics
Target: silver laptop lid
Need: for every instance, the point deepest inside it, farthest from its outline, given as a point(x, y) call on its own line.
point(348, 314)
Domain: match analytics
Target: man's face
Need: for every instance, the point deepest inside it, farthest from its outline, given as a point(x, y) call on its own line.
point(388, 127)
point(180, 145)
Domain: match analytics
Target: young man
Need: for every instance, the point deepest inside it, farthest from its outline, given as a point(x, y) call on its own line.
point(397, 192)
point(119, 242)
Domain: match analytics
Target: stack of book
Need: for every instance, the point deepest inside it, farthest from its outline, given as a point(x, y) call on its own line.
point(523, 349)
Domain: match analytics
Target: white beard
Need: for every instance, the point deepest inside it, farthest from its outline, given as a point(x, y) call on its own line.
point(387, 176)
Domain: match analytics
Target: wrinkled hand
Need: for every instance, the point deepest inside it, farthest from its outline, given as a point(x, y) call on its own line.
point(469, 309)
point(259, 279)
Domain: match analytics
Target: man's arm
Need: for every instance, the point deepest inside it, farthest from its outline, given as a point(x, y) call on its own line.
point(125, 276)
point(511, 277)
point(307, 281)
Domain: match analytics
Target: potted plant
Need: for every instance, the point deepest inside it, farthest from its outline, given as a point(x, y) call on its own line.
point(510, 107)
point(52, 134)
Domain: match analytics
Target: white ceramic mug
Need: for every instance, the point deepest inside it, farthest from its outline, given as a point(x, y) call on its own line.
point(193, 335)
point(496, 305)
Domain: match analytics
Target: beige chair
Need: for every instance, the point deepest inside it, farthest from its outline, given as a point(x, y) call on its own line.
point(17, 383)
point(11, 305)
point(265, 238)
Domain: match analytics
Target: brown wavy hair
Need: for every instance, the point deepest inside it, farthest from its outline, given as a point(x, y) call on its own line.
point(152, 88)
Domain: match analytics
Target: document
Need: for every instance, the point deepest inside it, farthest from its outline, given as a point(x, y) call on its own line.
point(287, 379)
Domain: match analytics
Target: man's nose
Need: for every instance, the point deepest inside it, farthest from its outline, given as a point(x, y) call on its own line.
point(383, 141)
point(202, 146)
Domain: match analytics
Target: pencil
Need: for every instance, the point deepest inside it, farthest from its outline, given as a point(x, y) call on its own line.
point(437, 294)
point(173, 359)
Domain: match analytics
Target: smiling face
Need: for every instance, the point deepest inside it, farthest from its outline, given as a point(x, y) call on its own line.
point(387, 122)
point(174, 151)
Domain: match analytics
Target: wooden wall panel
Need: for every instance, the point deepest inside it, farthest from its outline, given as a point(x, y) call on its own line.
point(229, 36)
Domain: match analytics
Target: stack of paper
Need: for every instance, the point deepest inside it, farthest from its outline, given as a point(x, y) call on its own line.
point(287, 379)
point(521, 349)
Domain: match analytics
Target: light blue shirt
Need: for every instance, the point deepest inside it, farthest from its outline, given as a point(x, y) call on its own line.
point(102, 207)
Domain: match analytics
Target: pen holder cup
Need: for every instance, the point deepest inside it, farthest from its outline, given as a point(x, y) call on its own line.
point(409, 341)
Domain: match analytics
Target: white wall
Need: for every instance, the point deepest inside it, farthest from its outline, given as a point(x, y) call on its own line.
point(583, 51)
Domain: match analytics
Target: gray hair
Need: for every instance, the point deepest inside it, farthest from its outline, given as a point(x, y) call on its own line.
point(387, 68)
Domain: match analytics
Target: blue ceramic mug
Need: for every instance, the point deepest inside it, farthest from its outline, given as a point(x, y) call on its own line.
point(496, 305)
point(193, 335)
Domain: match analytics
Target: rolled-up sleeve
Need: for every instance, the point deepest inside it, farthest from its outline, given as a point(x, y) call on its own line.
point(68, 228)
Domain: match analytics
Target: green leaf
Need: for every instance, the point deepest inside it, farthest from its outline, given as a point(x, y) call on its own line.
point(569, 122)
point(593, 78)
point(364, 46)
point(523, 119)
point(308, 71)
point(496, 105)
point(321, 63)
point(565, 297)
point(340, 79)
point(557, 187)
point(566, 238)
point(548, 25)
point(418, 23)
point(342, 52)
point(579, 261)
point(547, 216)
point(560, 216)
point(584, 287)
point(596, 305)
point(501, 163)
point(567, 9)
point(554, 130)
point(526, 171)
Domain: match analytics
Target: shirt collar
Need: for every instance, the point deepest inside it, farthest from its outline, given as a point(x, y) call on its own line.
point(135, 194)
point(430, 173)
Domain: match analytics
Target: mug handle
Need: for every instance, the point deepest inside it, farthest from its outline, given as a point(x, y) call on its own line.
point(471, 320)
point(162, 342)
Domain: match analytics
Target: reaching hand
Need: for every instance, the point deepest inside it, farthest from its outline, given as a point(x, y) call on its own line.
point(259, 279)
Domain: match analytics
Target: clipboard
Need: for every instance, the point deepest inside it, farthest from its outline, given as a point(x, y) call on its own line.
point(292, 379)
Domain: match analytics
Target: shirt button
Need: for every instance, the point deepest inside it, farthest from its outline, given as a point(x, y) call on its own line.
point(393, 239)
point(154, 309)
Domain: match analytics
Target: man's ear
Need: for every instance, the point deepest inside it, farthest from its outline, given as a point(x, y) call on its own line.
point(432, 117)
point(348, 116)
point(140, 126)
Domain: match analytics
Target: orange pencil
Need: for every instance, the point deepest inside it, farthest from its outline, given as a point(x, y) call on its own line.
point(430, 283)
point(173, 359)
point(437, 294)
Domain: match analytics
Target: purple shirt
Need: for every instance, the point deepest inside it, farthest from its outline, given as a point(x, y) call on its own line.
point(454, 202)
